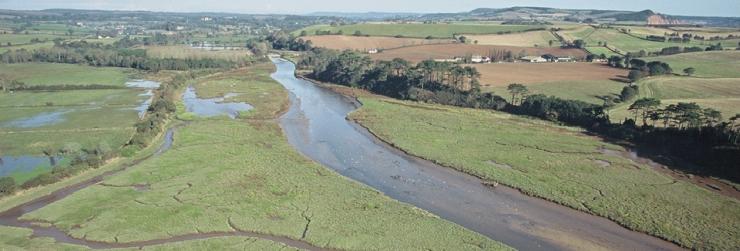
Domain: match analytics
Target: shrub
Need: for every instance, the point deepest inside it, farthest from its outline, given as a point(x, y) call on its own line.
point(7, 185)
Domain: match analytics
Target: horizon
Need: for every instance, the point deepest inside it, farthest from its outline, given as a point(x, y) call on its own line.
point(716, 8)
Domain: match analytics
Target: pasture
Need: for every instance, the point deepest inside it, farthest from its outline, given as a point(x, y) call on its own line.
point(187, 52)
point(223, 175)
point(590, 91)
point(503, 74)
point(525, 39)
point(558, 163)
point(341, 42)
point(449, 51)
point(418, 30)
point(65, 74)
point(722, 94)
point(710, 64)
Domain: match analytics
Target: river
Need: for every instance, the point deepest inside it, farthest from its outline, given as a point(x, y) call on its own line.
point(316, 125)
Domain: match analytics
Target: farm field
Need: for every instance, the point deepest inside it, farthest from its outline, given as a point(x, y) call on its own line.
point(558, 163)
point(418, 30)
point(185, 52)
point(529, 39)
point(589, 91)
point(29, 47)
point(503, 74)
point(65, 74)
point(710, 64)
point(340, 42)
point(448, 51)
point(20, 39)
point(627, 43)
point(224, 175)
point(722, 94)
point(598, 50)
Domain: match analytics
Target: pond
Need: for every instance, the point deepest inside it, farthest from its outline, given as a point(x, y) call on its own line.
point(38, 120)
point(10, 165)
point(213, 106)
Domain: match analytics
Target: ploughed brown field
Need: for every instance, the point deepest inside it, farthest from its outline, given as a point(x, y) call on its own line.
point(341, 42)
point(502, 74)
point(448, 51)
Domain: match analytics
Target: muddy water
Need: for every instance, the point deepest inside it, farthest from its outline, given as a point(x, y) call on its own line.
point(316, 125)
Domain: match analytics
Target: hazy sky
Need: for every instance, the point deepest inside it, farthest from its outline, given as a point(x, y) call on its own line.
point(678, 7)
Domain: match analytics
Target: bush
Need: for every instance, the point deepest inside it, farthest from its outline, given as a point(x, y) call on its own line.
point(7, 185)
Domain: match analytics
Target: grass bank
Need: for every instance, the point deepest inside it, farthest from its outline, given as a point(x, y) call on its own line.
point(558, 163)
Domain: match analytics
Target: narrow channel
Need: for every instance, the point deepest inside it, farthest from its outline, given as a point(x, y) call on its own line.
point(316, 125)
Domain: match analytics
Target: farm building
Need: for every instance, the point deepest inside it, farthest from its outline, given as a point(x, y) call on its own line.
point(534, 59)
point(480, 59)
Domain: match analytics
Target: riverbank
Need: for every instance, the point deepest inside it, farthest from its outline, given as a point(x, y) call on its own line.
point(559, 164)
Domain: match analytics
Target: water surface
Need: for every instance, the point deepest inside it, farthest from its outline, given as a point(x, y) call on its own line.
point(212, 106)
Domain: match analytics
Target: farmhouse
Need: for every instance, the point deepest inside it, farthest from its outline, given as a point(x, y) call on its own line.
point(534, 59)
point(563, 59)
point(480, 59)
point(452, 60)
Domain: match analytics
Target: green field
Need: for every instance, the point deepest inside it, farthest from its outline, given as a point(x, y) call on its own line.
point(584, 90)
point(627, 43)
point(77, 119)
point(29, 47)
point(710, 64)
point(418, 30)
point(722, 94)
point(187, 52)
point(64, 74)
point(598, 50)
point(560, 164)
point(19, 39)
point(224, 174)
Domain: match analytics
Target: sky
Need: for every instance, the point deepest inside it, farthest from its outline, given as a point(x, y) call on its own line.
point(729, 8)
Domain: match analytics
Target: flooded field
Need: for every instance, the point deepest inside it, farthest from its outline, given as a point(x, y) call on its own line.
point(213, 106)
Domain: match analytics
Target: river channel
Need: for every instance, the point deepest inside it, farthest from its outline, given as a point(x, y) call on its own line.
point(316, 124)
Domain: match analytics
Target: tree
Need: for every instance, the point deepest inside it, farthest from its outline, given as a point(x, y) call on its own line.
point(634, 75)
point(689, 71)
point(579, 43)
point(644, 107)
point(628, 92)
point(7, 185)
point(517, 90)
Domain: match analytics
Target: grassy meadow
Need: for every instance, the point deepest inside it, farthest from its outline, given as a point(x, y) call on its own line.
point(524, 39)
point(584, 90)
point(64, 74)
point(187, 52)
point(560, 164)
point(418, 30)
point(709, 64)
point(722, 94)
point(223, 174)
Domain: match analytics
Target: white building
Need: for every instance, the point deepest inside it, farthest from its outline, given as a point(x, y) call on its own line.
point(534, 59)
point(480, 59)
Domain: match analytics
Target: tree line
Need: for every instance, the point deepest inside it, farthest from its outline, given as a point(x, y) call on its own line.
point(694, 133)
point(95, 54)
